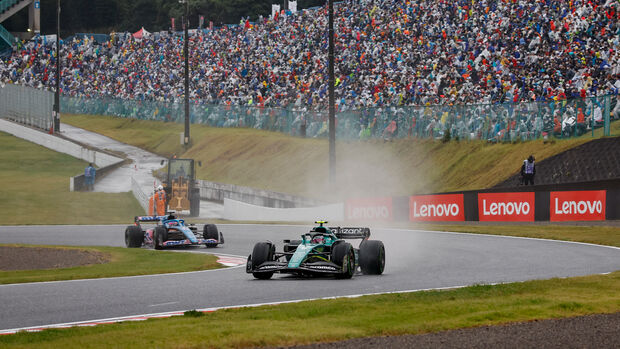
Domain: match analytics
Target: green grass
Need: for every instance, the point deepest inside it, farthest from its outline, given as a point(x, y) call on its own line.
point(122, 262)
point(278, 162)
point(593, 234)
point(274, 161)
point(332, 320)
point(35, 189)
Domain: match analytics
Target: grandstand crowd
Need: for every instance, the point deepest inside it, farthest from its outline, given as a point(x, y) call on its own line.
point(389, 53)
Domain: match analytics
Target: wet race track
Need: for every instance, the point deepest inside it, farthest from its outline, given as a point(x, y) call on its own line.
point(415, 260)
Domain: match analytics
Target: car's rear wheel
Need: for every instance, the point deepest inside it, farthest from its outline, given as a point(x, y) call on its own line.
point(262, 252)
point(344, 256)
point(209, 231)
point(160, 234)
point(372, 257)
point(134, 237)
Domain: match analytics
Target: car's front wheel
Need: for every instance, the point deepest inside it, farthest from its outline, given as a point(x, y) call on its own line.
point(343, 255)
point(262, 252)
point(209, 231)
point(159, 236)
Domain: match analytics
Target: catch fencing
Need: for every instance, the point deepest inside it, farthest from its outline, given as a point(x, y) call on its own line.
point(26, 105)
point(507, 122)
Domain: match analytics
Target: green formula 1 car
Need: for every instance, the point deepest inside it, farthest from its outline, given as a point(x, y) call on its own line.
point(321, 251)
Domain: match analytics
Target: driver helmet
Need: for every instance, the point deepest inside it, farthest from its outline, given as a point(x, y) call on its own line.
point(160, 187)
point(318, 239)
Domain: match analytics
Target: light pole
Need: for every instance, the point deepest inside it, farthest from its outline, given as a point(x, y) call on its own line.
point(186, 56)
point(332, 118)
point(57, 94)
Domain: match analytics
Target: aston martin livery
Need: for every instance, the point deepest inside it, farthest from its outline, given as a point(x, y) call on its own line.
point(321, 251)
point(170, 231)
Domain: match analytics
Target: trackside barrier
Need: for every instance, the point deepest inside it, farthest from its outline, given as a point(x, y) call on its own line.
point(554, 206)
point(214, 191)
point(27, 105)
point(139, 194)
point(237, 210)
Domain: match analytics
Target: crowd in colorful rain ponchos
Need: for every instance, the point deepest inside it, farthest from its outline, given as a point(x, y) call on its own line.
point(388, 53)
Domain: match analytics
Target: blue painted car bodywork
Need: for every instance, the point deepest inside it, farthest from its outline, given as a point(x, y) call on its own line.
point(172, 225)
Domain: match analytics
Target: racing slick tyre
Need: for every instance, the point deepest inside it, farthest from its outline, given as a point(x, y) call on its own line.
point(344, 256)
point(291, 246)
point(262, 252)
point(159, 236)
point(134, 237)
point(209, 231)
point(372, 257)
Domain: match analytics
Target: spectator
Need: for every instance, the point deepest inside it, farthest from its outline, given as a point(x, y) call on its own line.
point(528, 170)
point(89, 177)
point(390, 53)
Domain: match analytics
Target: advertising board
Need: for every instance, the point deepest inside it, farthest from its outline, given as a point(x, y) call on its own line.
point(374, 209)
point(437, 208)
point(577, 205)
point(506, 207)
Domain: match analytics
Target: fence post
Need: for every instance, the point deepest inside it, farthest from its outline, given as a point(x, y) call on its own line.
point(606, 113)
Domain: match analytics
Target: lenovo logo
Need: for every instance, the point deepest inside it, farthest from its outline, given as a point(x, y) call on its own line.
point(508, 207)
point(505, 208)
point(577, 205)
point(448, 207)
point(369, 209)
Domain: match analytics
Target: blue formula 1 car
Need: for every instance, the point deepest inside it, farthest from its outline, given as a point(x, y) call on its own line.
point(322, 251)
point(170, 231)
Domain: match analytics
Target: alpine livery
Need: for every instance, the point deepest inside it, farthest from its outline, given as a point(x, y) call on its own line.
point(321, 251)
point(170, 231)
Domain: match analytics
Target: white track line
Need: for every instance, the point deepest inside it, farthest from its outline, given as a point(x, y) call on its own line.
point(207, 310)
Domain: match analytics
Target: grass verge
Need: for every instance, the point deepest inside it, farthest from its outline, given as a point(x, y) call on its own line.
point(278, 162)
point(122, 262)
point(35, 189)
point(592, 234)
point(333, 320)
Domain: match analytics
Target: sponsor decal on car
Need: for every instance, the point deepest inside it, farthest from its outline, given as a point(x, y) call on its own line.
point(177, 242)
point(322, 267)
point(577, 205)
point(506, 207)
point(377, 209)
point(352, 231)
point(446, 207)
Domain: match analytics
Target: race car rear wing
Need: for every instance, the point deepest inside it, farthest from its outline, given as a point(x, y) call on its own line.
point(351, 232)
point(149, 218)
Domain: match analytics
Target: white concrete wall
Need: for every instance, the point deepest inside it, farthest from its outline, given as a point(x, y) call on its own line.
point(58, 144)
point(219, 191)
point(237, 210)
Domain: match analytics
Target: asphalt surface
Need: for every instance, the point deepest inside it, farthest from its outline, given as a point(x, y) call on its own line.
point(414, 260)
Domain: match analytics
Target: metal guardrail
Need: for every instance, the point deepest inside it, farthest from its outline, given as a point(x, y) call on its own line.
point(27, 105)
point(142, 198)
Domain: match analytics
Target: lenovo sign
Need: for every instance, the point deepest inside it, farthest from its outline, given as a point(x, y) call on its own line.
point(506, 207)
point(377, 209)
point(577, 205)
point(447, 207)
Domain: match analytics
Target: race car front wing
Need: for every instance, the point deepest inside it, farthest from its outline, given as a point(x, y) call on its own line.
point(282, 267)
point(186, 242)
